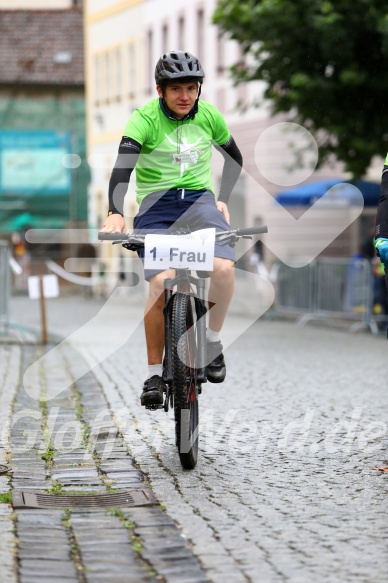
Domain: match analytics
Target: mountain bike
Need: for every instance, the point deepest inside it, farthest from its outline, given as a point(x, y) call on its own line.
point(185, 357)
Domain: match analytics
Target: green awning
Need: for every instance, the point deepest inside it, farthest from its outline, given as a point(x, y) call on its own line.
point(24, 220)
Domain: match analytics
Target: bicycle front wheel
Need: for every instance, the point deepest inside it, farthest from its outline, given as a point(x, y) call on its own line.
point(185, 389)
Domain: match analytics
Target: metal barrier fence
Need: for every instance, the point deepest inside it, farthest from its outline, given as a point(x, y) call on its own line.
point(4, 284)
point(329, 288)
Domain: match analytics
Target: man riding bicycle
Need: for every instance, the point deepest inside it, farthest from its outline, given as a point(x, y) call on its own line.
point(169, 140)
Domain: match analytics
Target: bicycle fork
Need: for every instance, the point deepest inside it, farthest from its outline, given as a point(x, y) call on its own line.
point(200, 309)
point(168, 288)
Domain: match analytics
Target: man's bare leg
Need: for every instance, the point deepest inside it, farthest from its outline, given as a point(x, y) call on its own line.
point(152, 395)
point(154, 317)
point(220, 293)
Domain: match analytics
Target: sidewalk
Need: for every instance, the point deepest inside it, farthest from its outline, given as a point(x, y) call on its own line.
point(65, 442)
point(66, 313)
point(287, 486)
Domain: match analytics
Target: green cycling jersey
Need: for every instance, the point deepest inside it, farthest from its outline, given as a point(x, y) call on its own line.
point(175, 154)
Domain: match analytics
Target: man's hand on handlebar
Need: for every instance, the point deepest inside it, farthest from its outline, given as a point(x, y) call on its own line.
point(223, 208)
point(114, 224)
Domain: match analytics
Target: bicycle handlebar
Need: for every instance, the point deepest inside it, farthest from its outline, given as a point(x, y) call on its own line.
point(221, 235)
point(251, 230)
point(112, 236)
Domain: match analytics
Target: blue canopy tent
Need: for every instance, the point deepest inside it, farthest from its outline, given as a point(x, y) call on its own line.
point(308, 194)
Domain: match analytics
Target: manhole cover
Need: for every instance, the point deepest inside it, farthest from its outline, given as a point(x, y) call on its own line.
point(120, 499)
point(3, 469)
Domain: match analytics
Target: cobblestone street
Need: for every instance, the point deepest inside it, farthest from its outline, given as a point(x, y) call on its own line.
point(284, 489)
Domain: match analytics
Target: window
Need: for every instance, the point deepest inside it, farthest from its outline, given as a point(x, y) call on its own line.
point(220, 53)
point(200, 34)
point(242, 89)
point(150, 63)
point(107, 80)
point(165, 39)
point(181, 33)
point(118, 72)
point(97, 79)
point(132, 70)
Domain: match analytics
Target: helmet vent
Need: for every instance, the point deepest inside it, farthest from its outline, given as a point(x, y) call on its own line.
point(168, 67)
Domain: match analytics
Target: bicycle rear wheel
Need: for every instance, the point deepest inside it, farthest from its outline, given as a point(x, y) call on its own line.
point(185, 388)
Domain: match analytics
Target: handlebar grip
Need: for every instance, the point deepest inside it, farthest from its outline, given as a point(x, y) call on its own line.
point(252, 230)
point(112, 236)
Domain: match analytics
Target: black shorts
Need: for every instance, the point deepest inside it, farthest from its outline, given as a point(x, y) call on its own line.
point(195, 209)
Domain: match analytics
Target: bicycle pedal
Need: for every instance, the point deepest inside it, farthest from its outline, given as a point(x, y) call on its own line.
point(166, 404)
point(154, 407)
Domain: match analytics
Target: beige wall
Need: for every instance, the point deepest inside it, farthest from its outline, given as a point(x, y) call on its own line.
point(114, 49)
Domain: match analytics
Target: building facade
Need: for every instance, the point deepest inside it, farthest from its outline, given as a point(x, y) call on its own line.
point(124, 41)
point(42, 113)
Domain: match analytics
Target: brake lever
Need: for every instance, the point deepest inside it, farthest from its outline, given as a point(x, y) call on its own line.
point(224, 237)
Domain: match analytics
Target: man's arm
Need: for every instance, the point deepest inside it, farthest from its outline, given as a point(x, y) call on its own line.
point(127, 157)
point(233, 162)
point(231, 170)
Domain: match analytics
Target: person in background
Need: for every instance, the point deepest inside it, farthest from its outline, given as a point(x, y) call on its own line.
point(381, 233)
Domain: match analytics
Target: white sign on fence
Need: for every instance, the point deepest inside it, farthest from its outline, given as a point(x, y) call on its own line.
point(50, 286)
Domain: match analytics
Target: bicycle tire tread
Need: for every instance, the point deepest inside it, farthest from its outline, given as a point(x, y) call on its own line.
point(182, 317)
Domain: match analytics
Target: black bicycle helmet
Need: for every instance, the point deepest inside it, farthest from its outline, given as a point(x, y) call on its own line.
point(178, 66)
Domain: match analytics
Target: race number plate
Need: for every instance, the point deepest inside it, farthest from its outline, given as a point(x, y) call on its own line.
point(192, 251)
